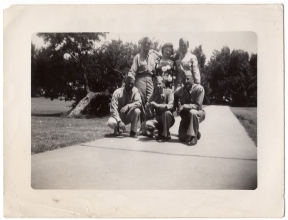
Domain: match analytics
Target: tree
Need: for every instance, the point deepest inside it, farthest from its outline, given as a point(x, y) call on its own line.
point(78, 46)
point(74, 68)
point(217, 72)
point(233, 77)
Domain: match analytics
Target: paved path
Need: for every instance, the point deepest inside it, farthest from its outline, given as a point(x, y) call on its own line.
point(224, 158)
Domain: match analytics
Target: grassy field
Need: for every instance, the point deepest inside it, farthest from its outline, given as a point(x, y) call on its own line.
point(42, 106)
point(49, 131)
point(248, 118)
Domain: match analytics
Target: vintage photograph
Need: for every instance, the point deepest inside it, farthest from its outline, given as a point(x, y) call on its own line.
point(144, 110)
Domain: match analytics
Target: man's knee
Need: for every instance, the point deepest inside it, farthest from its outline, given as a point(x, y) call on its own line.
point(136, 111)
point(166, 114)
point(193, 112)
point(112, 123)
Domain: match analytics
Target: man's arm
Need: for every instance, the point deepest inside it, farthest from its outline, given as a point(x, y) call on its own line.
point(195, 70)
point(176, 100)
point(136, 101)
point(197, 104)
point(169, 105)
point(134, 67)
point(114, 105)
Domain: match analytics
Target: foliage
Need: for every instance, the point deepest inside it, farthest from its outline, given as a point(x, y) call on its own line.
point(233, 77)
point(72, 65)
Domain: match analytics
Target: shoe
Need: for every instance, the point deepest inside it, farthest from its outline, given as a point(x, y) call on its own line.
point(198, 135)
point(158, 137)
point(164, 139)
point(149, 134)
point(192, 142)
point(133, 134)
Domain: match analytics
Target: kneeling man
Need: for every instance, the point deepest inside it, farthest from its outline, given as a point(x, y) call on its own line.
point(159, 109)
point(125, 105)
point(190, 98)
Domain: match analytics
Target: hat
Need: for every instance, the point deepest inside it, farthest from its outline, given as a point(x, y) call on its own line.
point(188, 73)
point(158, 79)
point(130, 77)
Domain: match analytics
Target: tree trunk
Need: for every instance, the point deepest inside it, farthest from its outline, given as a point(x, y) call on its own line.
point(86, 107)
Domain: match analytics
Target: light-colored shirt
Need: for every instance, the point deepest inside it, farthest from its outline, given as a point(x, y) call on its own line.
point(144, 64)
point(122, 98)
point(165, 99)
point(194, 97)
point(188, 63)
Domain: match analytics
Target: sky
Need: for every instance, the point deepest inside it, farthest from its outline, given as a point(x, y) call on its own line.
point(210, 41)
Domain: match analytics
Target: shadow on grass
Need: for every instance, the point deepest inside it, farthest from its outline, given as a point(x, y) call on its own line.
point(47, 115)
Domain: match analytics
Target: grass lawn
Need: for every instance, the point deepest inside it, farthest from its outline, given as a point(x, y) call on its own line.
point(49, 133)
point(42, 106)
point(248, 118)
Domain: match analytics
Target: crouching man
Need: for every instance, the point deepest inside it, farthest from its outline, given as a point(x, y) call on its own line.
point(189, 99)
point(125, 105)
point(159, 109)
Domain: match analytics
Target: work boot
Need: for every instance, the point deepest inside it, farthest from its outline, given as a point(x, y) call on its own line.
point(133, 134)
point(192, 142)
point(161, 138)
point(198, 135)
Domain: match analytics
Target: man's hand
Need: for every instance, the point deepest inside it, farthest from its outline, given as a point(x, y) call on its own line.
point(154, 104)
point(185, 107)
point(124, 109)
point(147, 105)
point(121, 126)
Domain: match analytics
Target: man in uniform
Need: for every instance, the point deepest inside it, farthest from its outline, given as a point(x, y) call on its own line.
point(143, 68)
point(125, 105)
point(189, 99)
point(187, 63)
point(159, 109)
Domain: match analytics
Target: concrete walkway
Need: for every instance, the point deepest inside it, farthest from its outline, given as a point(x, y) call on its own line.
point(224, 158)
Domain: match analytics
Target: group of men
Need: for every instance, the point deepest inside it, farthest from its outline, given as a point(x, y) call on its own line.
point(155, 111)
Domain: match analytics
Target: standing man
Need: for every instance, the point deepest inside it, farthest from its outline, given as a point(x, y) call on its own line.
point(159, 108)
point(143, 68)
point(125, 105)
point(190, 98)
point(187, 63)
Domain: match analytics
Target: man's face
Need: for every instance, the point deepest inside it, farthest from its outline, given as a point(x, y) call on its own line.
point(158, 87)
point(183, 46)
point(146, 46)
point(129, 84)
point(167, 52)
point(188, 82)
